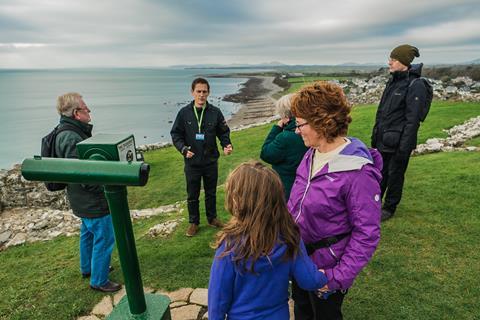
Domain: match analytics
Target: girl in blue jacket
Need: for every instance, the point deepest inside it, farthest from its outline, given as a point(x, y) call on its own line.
point(258, 250)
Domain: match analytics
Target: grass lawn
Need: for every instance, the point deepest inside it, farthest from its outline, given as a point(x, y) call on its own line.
point(426, 266)
point(297, 83)
point(475, 142)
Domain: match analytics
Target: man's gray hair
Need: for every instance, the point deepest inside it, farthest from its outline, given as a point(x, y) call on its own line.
point(67, 103)
point(282, 106)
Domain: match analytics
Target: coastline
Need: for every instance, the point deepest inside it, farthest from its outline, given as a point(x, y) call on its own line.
point(257, 104)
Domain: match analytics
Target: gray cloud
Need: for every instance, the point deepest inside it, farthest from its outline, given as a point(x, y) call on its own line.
point(62, 33)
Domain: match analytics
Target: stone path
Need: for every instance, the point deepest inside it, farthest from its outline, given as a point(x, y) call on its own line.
point(186, 304)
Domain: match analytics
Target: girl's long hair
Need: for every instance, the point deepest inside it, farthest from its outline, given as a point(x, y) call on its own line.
point(255, 198)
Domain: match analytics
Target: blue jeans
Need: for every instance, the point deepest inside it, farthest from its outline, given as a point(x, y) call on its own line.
point(96, 245)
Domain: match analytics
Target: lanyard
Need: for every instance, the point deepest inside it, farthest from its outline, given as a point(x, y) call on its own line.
point(199, 121)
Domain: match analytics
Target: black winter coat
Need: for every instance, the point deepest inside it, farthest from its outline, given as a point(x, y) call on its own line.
point(86, 201)
point(397, 120)
point(213, 125)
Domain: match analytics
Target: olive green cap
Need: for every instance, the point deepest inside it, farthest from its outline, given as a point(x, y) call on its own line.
point(405, 53)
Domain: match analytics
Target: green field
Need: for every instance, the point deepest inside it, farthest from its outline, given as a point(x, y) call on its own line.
point(426, 267)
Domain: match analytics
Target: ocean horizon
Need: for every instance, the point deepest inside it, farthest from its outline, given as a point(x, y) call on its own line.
point(137, 101)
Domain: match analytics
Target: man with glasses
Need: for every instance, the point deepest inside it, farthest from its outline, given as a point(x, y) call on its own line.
point(194, 134)
point(88, 202)
point(397, 122)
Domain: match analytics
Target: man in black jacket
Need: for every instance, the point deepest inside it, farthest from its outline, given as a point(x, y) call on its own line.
point(194, 134)
point(87, 201)
point(397, 122)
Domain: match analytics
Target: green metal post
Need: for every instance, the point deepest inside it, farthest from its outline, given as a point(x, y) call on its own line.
point(117, 201)
point(114, 176)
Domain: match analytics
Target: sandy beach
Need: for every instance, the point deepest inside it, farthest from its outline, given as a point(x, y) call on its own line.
point(257, 102)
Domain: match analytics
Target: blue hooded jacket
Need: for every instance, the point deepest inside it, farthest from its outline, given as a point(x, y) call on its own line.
point(263, 294)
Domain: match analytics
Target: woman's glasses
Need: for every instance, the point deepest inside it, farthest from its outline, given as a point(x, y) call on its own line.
point(300, 125)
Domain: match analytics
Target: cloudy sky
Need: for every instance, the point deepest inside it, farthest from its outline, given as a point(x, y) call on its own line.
point(142, 33)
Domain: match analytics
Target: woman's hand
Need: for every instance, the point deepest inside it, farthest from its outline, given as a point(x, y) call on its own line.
point(283, 121)
point(323, 289)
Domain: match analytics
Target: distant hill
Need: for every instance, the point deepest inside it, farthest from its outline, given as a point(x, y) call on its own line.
point(263, 65)
point(476, 61)
point(452, 69)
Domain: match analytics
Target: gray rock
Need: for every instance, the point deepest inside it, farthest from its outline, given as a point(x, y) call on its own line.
point(180, 295)
point(199, 296)
point(4, 236)
point(104, 307)
point(189, 312)
point(18, 239)
point(41, 225)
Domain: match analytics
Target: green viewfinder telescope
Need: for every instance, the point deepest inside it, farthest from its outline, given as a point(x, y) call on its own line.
point(109, 160)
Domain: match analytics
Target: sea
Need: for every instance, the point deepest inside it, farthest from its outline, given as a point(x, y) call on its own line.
point(142, 102)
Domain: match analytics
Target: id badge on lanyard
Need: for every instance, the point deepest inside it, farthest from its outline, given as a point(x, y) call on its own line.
point(199, 136)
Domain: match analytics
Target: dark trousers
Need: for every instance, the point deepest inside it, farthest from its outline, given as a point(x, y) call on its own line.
point(393, 176)
point(194, 177)
point(310, 307)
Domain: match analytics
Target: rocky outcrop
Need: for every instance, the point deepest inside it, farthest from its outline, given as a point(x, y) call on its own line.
point(369, 90)
point(457, 136)
point(16, 192)
point(21, 225)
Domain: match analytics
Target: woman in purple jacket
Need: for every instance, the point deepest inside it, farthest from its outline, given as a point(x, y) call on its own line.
point(335, 199)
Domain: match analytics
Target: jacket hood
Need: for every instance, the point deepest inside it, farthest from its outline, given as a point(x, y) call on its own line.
point(353, 157)
point(416, 69)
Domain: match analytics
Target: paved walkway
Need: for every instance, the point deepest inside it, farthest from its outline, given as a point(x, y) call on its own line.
point(186, 304)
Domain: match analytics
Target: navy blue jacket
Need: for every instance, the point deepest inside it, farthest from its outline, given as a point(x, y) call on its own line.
point(397, 120)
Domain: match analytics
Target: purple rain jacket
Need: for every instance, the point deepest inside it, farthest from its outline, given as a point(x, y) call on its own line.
point(344, 197)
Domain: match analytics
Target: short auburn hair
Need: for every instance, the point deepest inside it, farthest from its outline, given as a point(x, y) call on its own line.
point(324, 106)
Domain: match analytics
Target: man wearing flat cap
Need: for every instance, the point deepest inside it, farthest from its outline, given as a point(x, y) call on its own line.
point(397, 122)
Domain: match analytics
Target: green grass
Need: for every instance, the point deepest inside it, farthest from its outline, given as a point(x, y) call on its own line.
point(167, 182)
point(442, 115)
point(426, 266)
point(297, 83)
point(475, 142)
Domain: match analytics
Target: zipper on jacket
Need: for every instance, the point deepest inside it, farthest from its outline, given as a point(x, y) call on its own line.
point(306, 189)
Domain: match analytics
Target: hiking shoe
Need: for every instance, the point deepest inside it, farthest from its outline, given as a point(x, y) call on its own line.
point(110, 286)
point(192, 230)
point(88, 274)
point(215, 223)
point(386, 214)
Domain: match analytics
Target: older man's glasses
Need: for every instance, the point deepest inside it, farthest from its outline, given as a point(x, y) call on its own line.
point(300, 125)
